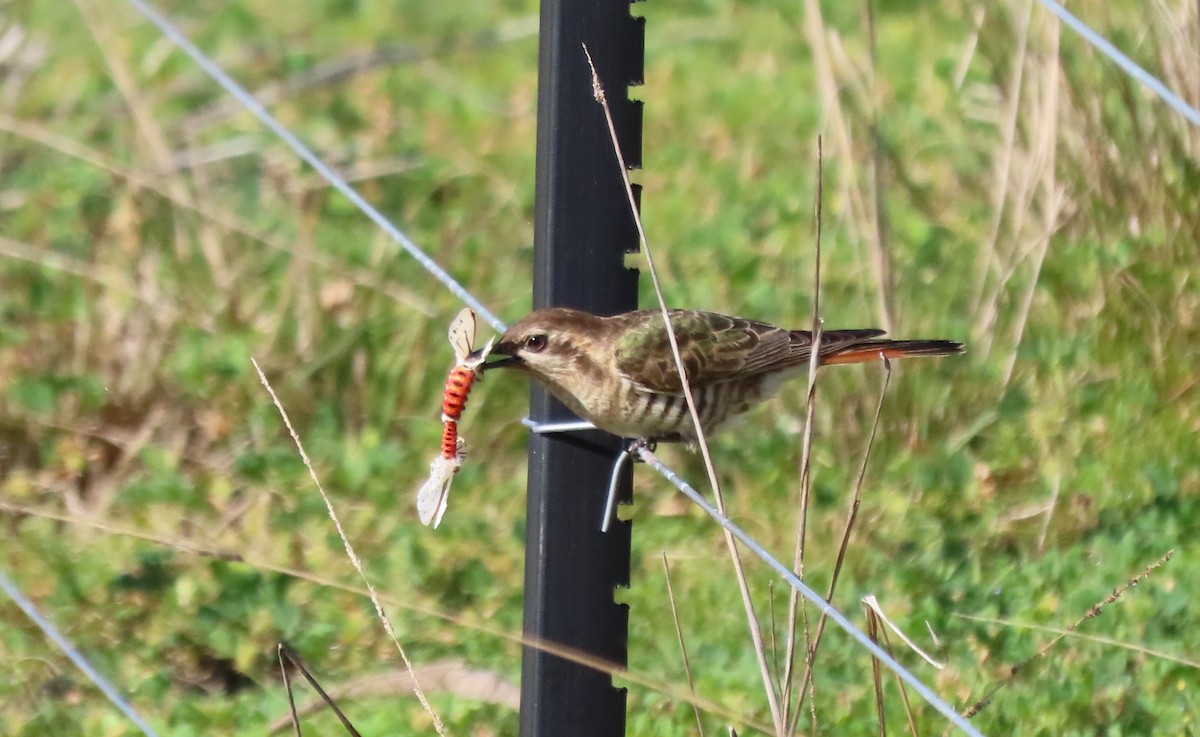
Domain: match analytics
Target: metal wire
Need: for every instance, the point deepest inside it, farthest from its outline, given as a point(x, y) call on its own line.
point(794, 581)
point(240, 94)
point(1123, 61)
point(218, 75)
point(76, 657)
point(301, 150)
point(304, 152)
point(337, 182)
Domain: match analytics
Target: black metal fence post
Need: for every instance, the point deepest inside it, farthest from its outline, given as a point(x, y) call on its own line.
point(583, 230)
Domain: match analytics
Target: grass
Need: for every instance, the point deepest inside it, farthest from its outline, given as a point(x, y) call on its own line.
point(151, 243)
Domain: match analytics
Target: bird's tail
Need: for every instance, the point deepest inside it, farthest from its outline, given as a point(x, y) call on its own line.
point(873, 350)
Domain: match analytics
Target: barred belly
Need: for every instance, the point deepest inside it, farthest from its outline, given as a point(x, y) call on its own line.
point(666, 416)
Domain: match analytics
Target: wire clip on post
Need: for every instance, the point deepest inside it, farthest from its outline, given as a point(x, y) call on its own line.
point(624, 459)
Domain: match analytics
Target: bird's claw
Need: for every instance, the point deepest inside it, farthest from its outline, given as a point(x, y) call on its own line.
point(640, 443)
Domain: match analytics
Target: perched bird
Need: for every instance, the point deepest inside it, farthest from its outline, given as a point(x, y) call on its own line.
point(618, 372)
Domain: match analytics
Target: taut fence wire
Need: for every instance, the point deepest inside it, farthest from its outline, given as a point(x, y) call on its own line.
point(304, 152)
point(252, 105)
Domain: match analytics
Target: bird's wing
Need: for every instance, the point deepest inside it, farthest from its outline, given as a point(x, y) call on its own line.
point(716, 348)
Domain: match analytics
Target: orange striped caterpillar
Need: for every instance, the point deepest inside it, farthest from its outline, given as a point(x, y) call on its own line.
point(434, 494)
point(454, 400)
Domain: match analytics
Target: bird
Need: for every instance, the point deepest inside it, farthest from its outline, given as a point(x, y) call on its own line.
point(619, 373)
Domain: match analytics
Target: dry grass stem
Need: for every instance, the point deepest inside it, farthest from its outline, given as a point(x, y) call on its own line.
point(443, 676)
point(1098, 639)
point(861, 220)
point(687, 664)
point(227, 222)
point(874, 617)
point(739, 569)
point(887, 642)
point(353, 556)
point(870, 602)
point(806, 450)
point(881, 254)
point(106, 278)
point(152, 135)
point(876, 674)
point(1094, 611)
point(286, 656)
point(851, 516)
point(1052, 194)
point(206, 550)
point(988, 262)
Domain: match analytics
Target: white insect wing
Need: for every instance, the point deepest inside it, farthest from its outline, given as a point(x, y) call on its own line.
point(476, 359)
point(434, 495)
point(462, 333)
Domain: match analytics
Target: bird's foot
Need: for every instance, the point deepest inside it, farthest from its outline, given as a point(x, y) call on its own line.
point(650, 444)
point(627, 456)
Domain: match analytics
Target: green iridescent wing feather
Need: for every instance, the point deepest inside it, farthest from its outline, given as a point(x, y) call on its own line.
point(715, 349)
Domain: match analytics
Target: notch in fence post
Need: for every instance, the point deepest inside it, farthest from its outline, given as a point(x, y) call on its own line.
point(583, 229)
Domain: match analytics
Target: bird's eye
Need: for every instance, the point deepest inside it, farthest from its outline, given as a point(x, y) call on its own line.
point(535, 342)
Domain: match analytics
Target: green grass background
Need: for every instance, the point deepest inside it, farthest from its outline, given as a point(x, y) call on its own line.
point(153, 239)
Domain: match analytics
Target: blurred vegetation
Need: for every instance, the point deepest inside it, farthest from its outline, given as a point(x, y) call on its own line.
point(985, 179)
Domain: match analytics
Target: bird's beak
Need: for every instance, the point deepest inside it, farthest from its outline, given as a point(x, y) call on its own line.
point(502, 354)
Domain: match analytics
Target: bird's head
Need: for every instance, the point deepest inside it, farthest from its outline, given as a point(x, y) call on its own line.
point(547, 343)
